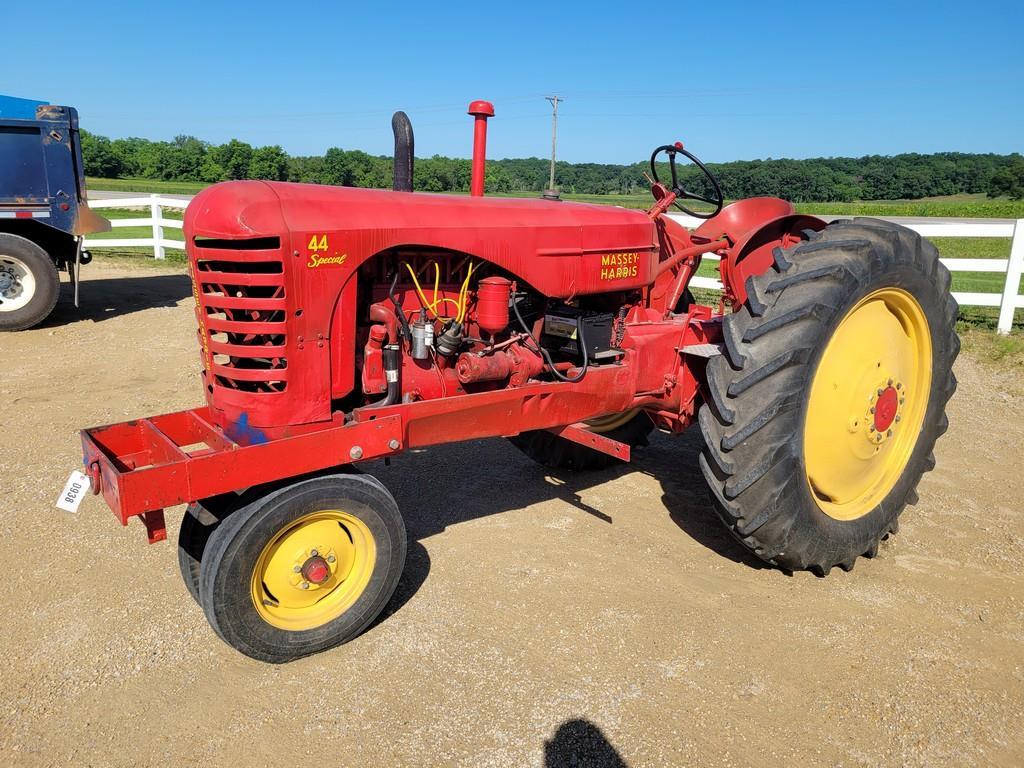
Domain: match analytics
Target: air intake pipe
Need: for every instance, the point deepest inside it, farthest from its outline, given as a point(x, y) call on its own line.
point(404, 148)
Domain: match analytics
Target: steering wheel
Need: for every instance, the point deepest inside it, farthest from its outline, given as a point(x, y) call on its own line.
point(677, 149)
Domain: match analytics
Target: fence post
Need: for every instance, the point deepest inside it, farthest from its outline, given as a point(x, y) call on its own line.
point(158, 230)
point(1011, 288)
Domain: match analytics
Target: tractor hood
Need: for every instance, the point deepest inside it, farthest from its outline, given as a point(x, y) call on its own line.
point(560, 248)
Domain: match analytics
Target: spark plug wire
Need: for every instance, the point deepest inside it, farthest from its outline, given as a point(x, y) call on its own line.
point(464, 295)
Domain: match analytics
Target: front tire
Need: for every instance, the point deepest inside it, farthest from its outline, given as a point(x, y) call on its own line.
point(303, 568)
point(29, 283)
point(197, 525)
point(823, 412)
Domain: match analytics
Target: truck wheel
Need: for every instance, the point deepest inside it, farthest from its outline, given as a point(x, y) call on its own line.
point(29, 284)
point(822, 414)
point(631, 427)
point(303, 568)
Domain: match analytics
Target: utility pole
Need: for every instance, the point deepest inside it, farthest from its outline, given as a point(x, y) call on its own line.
point(551, 192)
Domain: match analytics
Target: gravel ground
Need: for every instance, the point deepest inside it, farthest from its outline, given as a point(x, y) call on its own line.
point(542, 620)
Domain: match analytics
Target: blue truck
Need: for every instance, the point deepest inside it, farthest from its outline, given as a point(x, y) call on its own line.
point(44, 215)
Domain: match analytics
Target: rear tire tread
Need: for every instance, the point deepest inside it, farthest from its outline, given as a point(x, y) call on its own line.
point(755, 470)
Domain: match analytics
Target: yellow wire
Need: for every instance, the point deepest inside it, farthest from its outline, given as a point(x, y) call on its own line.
point(419, 291)
point(461, 304)
point(443, 299)
point(437, 282)
point(450, 301)
point(464, 295)
point(431, 306)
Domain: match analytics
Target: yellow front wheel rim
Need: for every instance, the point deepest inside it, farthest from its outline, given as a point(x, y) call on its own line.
point(313, 570)
point(867, 403)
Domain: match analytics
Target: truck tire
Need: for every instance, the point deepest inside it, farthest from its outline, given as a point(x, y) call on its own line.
point(632, 428)
point(29, 283)
point(303, 568)
point(822, 414)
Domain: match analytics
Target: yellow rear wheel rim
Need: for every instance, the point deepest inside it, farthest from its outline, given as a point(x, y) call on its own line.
point(334, 546)
point(867, 403)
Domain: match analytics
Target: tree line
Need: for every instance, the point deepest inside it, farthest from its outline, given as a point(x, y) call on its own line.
point(834, 179)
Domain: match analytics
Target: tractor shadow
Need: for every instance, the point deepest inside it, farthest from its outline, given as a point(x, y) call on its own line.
point(109, 297)
point(437, 487)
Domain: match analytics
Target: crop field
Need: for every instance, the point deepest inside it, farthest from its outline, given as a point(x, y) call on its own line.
point(146, 186)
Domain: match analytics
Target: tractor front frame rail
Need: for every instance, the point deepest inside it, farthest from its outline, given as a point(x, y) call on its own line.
point(142, 466)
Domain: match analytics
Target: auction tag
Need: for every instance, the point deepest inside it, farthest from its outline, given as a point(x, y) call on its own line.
point(74, 491)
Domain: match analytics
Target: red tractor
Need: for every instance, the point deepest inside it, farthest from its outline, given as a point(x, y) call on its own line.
point(339, 325)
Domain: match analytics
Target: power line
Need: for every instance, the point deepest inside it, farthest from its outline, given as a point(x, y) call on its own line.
point(554, 138)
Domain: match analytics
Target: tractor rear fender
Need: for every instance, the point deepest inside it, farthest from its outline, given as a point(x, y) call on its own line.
point(752, 252)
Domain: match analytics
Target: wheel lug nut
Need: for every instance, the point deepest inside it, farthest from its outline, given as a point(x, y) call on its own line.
point(890, 382)
point(871, 428)
point(304, 585)
point(297, 569)
point(897, 417)
point(889, 433)
point(330, 558)
point(313, 553)
point(899, 386)
point(879, 393)
point(872, 409)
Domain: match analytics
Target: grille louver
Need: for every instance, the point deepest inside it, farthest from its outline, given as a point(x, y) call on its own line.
point(240, 287)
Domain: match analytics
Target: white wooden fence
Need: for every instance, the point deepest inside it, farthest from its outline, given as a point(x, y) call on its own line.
point(1011, 269)
point(155, 204)
point(1007, 301)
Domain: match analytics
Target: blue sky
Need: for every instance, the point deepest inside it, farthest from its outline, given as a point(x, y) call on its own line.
point(734, 80)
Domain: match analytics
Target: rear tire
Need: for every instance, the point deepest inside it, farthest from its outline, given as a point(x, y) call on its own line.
point(556, 452)
point(255, 565)
point(765, 460)
point(29, 283)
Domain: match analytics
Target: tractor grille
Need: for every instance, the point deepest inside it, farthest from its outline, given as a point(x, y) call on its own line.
point(240, 298)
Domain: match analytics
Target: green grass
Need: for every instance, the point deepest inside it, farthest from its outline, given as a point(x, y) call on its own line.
point(953, 206)
point(975, 248)
point(145, 186)
point(1005, 352)
point(124, 233)
point(139, 257)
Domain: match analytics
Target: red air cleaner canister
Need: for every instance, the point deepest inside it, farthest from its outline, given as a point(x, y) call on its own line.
point(492, 304)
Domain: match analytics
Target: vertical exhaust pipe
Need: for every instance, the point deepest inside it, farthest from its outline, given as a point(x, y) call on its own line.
point(404, 148)
point(480, 110)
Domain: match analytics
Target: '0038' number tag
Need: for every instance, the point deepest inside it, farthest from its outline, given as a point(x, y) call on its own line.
point(73, 493)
